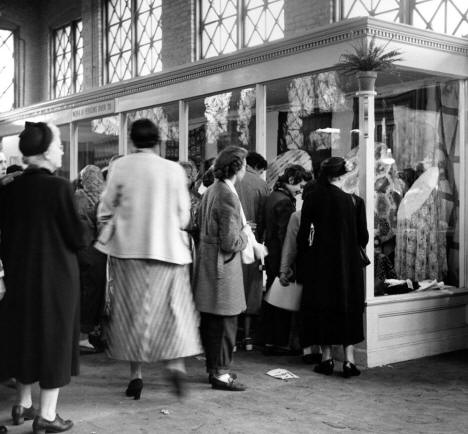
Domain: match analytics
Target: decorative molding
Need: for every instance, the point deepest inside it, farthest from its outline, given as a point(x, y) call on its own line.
point(324, 36)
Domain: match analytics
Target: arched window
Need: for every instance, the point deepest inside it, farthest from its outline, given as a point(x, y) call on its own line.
point(227, 25)
point(133, 37)
point(68, 59)
point(7, 70)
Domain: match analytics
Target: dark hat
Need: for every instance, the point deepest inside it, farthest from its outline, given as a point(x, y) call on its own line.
point(333, 167)
point(144, 133)
point(35, 138)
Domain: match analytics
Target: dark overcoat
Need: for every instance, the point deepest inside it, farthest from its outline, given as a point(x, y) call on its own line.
point(331, 269)
point(279, 206)
point(39, 315)
point(218, 284)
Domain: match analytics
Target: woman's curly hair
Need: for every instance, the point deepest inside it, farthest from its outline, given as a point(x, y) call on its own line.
point(295, 171)
point(229, 161)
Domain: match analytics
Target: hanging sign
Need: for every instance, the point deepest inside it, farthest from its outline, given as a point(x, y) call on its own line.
point(93, 110)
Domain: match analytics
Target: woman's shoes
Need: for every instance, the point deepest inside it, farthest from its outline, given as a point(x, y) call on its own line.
point(326, 367)
point(134, 388)
point(177, 379)
point(248, 344)
point(232, 385)
point(19, 414)
point(42, 426)
point(350, 370)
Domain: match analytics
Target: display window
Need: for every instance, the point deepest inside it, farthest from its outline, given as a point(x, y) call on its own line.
point(310, 118)
point(417, 184)
point(64, 171)
point(98, 141)
point(166, 118)
point(220, 120)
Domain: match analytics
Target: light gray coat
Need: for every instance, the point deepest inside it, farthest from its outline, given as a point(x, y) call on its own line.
point(218, 283)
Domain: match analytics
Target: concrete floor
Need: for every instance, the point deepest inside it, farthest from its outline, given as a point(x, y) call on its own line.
point(428, 395)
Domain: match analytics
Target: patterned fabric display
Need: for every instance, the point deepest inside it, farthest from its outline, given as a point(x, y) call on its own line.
point(421, 243)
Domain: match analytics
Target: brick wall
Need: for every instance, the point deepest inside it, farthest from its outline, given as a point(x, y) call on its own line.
point(302, 16)
point(178, 29)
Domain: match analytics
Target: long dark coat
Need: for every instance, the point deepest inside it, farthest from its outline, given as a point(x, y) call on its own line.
point(218, 284)
point(39, 315)
point(331, 270)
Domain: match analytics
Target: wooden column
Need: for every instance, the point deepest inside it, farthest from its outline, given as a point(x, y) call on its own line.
point(367, 176)
point(73, 150)
point(183, 130)
point(123, 135)
point(260, 111)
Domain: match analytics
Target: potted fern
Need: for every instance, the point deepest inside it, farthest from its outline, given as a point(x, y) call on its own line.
point(366, 61)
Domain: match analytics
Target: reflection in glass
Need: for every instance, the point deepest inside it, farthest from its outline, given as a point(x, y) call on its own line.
point(221, 120)
point(64, 171)
point(311, 118)
point(166, 119)
point(416, 184)
point(98, 141)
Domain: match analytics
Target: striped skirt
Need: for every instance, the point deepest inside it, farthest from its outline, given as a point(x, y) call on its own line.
point(152, 312)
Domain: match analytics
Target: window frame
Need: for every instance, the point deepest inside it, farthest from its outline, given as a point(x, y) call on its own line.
point(17, 69)
point(134, 50)
point(74, 59)
point(240, 28)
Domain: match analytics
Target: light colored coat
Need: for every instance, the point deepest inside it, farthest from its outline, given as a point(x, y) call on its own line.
point(149, 205)
point(218, 283)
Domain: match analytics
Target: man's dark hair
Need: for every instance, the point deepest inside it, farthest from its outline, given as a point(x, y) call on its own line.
point(256, 161)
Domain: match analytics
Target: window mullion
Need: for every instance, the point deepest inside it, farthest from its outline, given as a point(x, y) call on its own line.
point(240, 23)
point(73, 55)
point(134, 38)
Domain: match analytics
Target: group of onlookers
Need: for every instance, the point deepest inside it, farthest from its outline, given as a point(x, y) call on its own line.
point(159, 256)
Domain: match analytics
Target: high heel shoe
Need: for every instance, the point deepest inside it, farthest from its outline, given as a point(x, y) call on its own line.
point(350, 370)
point(19, 414)
point(134, 388)
point(326, 367)
point(42, 426)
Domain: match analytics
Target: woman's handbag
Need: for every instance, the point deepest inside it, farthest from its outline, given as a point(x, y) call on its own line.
point(285, 297)
point(365, 261)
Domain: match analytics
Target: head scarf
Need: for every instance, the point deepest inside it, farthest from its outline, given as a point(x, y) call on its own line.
point(92, 182)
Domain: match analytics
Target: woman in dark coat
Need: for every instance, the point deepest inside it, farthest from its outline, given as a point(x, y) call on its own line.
point(39, 315)
point(218, 284)
point(333, 227)
point(280, 204)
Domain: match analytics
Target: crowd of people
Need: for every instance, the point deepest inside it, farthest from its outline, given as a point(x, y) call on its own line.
point(144, 260)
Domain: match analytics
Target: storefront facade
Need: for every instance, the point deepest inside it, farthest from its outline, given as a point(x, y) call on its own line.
point(285, 99)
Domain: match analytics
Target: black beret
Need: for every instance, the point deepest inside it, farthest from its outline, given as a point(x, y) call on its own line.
point(333, 167)
point(35, 138)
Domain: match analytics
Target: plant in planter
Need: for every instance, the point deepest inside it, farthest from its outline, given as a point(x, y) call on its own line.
point(367, 60)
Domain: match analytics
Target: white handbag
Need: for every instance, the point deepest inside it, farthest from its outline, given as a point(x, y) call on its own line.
point(285, 297)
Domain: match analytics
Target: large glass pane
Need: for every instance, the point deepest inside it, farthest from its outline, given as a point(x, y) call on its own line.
point(98, 141)
point(309, 119)
point(417, 172)
point(444, 16)
point(388, 10)
point(7, 70)
point(63, 61)
point(9, 147)
point(218, 27)
point(166, 118)
point(264, 21)
point(221, 120)
point(64, 171)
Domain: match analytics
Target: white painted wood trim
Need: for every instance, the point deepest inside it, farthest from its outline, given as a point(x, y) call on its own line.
point(73, 150)
point(366, 177)
point(260, 112)
point(183, 131)
point(123, 135)
point(463, 204)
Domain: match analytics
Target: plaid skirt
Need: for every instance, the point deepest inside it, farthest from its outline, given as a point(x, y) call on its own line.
point(152, 313)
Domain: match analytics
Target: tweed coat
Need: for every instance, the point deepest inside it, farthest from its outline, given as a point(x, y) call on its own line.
point(218, 284)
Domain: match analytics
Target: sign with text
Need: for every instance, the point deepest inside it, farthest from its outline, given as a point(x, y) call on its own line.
point(93, 110)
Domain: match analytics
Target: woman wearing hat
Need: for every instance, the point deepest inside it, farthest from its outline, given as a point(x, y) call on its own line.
point(39, 315)
point(333, 227)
